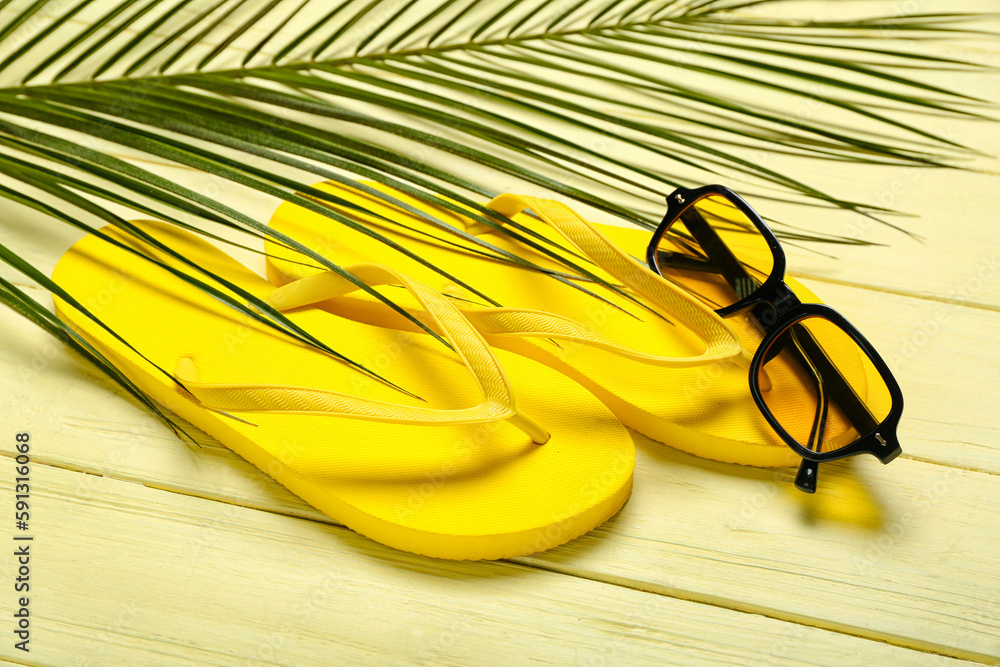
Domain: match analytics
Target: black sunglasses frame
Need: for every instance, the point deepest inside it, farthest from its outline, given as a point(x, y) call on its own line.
point(777, 308)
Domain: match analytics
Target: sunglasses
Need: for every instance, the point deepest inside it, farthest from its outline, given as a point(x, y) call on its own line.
point(820, 385)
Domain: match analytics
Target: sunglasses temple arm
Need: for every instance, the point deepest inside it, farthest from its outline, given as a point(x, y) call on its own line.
point(805, 478)
point(718, 252)
point(840, 389)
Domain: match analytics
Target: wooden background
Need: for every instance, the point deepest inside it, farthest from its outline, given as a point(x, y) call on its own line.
point(148, 551)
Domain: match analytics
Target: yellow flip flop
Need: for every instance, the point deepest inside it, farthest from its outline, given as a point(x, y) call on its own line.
point(461, 472)
point(667, 366)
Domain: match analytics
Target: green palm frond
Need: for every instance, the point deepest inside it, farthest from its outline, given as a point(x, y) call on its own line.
point(611, 103)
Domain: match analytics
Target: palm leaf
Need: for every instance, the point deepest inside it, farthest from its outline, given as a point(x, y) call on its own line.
point(272, 95)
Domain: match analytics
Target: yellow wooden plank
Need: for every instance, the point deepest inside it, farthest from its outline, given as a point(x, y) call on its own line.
point(905, 554)
point(123, 574)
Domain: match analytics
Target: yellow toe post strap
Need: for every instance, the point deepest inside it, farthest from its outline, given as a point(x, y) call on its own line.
point(520, 323)
point(503, 322)
point(721, 340)
point(497, 399)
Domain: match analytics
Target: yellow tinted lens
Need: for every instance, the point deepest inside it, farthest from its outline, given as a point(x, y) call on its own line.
point(715, 251)
point(821, 386)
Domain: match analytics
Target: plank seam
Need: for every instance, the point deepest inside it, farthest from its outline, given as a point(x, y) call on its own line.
point(768, 612)
point(898, 292)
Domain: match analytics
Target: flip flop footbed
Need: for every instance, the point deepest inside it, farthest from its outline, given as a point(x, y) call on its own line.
point(466, 491)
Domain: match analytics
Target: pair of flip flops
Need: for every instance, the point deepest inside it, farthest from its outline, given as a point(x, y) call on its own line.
point(503, 434)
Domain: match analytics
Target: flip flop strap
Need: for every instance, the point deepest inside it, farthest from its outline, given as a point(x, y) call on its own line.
point(519, 323)
point(497, 398)
point(719, 337)
point(513, 323)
